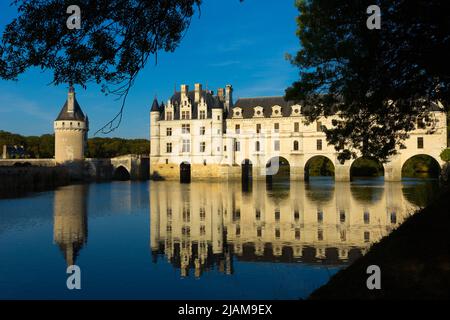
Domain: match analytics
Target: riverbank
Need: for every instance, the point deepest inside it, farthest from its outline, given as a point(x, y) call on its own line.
point(19, 181)
point(414, 261)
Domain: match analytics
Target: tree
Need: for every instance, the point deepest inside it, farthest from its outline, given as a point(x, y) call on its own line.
point(377, 81)
point(114, 43)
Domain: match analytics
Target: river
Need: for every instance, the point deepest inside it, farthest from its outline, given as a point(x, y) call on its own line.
point(204, 240)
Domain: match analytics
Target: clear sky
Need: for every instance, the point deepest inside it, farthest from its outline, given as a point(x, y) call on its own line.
point(236, 43)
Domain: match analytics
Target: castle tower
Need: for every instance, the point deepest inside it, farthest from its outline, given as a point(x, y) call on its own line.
point(154, 128)
point(71, 129)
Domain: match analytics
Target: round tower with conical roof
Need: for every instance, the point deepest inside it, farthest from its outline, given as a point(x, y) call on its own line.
point(71, 129)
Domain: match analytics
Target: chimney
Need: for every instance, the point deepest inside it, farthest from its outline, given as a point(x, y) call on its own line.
point(184, 91)
point(198, 92)
point(228, 96)
point(71, 100)
point(221, 94)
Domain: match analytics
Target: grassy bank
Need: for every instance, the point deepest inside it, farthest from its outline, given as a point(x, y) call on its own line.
point(414, 261)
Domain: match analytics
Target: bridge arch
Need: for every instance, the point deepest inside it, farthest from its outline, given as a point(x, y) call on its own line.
point(121, 173)
point(366, 167)
point(319, 165)
point(420, 166)
point(277, 168)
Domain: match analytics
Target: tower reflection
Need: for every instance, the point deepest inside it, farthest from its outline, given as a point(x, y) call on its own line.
point(202, 226)
point(70, 228)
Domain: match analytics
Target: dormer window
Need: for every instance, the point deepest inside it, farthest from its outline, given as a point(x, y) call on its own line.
point(258, 112)
point(276, 111)
point(185, 115)
point(296, 110)
point(237, 113)
point(202, 114)
point(169, 115)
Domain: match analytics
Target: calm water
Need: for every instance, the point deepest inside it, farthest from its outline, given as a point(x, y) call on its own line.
point(163, 240)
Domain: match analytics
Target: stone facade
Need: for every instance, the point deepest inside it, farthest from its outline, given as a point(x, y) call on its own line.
point(215, 137)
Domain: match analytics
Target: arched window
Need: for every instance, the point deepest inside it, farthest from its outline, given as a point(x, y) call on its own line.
point(295, 145)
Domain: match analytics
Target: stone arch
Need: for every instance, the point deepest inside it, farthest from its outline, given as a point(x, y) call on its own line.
point(277, 167)
point(121, 173)
point(185, 172)
point(321, 166)
point(367, 167)
point(420, 166)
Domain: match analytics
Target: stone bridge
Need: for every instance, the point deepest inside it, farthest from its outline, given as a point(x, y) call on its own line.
point(126, 167)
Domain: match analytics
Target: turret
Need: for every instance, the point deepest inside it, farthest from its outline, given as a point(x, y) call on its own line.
point(71, 127)
point(155, 114)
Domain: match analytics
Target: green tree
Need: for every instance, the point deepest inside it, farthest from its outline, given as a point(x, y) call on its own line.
point(377, 80)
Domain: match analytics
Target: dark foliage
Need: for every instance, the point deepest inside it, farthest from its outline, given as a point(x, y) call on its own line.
point(115, 41)
point(378, 80)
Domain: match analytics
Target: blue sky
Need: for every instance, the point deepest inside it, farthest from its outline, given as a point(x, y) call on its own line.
point(236, 43)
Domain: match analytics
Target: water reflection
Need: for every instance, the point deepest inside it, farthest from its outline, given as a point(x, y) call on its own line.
point(202, 226)
point(70, 227)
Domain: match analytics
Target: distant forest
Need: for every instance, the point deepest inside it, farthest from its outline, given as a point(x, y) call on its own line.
point(44, 146)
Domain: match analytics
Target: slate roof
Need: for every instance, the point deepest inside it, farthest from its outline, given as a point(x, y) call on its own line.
point(77, 113)
point(248, 104)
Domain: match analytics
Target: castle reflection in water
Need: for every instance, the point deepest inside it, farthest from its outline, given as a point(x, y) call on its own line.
point(206, 225)
point(203, 226)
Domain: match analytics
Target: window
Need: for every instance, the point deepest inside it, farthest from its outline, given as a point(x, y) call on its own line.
point(169, 115)
point(259, 232)
point(297, 234)
point(202, 131)
point(202, 114)
point(277, 215)
point(366, 236)
point(420, 143)
point(420, 123)
point(237, 146)
point(342, 216)
point(366, 217)
point(168, 131)
point(295, 145)
point(277, 233)
point(296, 126)
point(202, 214)
point(258, 214)
point(169, 148)
point(276, 127)
point(202, 146)
point(185, 128)
point(185, 115)
point(257, 146)
point(186, 146)
point(258, 128)
point(276, 145)
point(218, 131)
point(319, 144)
point(218, 118)
point(319, 126)
point(238, 129)
point(319, 216)
point(319, 235)
point(343, 235)
point(393, 217)
point(296, 215)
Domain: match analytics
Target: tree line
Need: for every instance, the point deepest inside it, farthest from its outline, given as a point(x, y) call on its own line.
point(44, 146)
